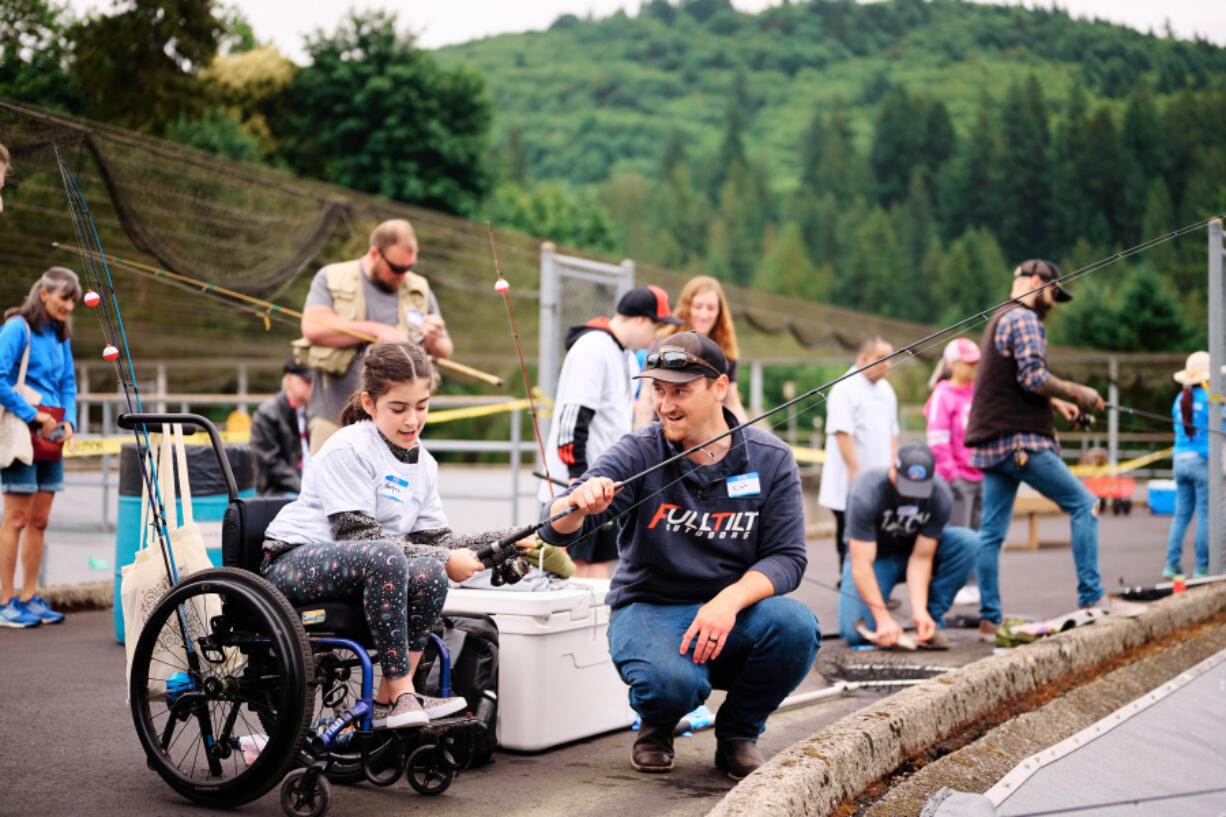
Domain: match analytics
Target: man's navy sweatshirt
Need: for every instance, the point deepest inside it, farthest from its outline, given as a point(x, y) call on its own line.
point(683, 539)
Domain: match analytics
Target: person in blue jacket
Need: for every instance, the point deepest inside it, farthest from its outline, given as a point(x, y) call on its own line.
point(708, 546)
point(1191, 414)
point(41, 325)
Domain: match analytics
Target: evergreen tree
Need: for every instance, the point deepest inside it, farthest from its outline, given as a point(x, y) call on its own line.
point(974, 277)
point(966, 186)
point(1159, 219)
point(731, 151)
point(1021, 185)
point(785, 268)
point(877, 275)
point(1142, 131)
point(896, 146)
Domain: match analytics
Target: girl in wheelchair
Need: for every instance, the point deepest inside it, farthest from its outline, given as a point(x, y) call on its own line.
point(369, 524)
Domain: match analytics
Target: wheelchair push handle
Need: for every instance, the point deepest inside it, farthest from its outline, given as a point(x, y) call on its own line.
point(135, 420)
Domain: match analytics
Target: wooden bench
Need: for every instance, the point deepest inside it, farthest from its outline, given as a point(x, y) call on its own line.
point(1032, 506)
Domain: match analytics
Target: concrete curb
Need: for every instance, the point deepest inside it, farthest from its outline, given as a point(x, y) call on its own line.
point(83, 596)
point(814, 776)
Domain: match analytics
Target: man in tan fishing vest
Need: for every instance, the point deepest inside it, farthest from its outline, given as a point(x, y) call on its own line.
point(377, 296)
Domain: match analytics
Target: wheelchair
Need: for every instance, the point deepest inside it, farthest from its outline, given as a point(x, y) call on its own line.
point(234, 690)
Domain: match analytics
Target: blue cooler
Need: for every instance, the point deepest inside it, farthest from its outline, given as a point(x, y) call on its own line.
point(1162, 496)
point(209, 502)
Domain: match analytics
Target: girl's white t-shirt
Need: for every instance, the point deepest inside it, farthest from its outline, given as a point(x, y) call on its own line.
point(355, 472)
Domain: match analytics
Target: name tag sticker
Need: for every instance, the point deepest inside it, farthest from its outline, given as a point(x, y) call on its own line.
point(313, 616)
point(744, 485)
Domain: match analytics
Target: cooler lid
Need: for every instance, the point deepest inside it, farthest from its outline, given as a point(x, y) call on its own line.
point(578, 596)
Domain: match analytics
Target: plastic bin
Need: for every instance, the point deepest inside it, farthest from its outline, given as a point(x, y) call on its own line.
point(1162, 496)
point(556, 681)
point(209, 502)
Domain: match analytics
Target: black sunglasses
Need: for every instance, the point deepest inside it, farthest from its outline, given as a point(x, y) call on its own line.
point(677, 359)
point(399, 269)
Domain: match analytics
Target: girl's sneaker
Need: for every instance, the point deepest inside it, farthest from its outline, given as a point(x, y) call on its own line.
point(441, 707)
point(1171, 571)
point(1198, 573)
point(406, 711)
point(14, 614)
point(38, 606)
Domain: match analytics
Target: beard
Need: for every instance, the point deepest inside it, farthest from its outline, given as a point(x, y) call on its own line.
point(1042, 305)
point(384, 285)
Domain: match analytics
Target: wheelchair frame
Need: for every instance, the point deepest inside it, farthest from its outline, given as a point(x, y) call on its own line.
point(236, 643)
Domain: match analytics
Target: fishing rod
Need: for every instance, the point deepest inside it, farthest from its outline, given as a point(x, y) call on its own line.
point(1164, 419)
point(504, 287)
point(269, 307)
point(909, 351)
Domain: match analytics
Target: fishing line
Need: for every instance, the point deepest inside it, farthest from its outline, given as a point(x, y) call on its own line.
point(907, 353)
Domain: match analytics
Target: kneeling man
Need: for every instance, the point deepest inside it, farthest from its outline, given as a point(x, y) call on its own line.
point(708, 546)
point(896, 532)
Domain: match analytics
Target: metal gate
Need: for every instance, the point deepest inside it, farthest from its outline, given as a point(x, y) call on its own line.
point(573, 291)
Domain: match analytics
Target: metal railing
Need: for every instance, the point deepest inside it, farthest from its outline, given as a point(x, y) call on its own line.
point(112, 405)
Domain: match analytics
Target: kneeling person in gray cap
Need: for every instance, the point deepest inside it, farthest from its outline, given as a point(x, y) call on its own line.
point(896, 521)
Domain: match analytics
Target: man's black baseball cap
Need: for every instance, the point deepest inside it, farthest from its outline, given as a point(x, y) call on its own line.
point(1048, 272)
point(683, 357)
point(916, 468)
point(648, 302)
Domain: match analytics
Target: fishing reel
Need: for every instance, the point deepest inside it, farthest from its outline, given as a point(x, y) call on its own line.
point(1083, 422)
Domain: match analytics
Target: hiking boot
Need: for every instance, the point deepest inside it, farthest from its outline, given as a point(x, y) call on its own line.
point(38, 606)
point(15, 614)
point(737, 758)
point(406, 711)
point(653, 749)
point(1171, 571)
point(987, 631)
point(939, 641)
point(1116, 606)
point(440, 707)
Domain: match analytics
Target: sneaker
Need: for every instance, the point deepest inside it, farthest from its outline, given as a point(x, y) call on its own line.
point(939, 641)
point(987, 631)
point(38, 606)
point(1171, 571)
point(15, 614)
point(1200, 573)
point(1116, 606)
point(967, 595)
point(406, 711)
point(441, 707)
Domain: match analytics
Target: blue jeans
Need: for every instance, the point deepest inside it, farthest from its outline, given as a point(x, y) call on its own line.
point(1191, 497)
point(766, 655)
point(951, 566)
point(20, 478)
point(1047, 474)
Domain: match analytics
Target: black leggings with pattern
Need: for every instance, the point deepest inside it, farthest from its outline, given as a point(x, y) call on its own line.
point(401, 597)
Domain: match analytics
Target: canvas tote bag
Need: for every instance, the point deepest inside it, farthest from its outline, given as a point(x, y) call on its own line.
point(145, 582)
point(15, 442)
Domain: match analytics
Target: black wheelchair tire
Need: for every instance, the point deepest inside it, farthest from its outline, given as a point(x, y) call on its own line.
point(271, 678)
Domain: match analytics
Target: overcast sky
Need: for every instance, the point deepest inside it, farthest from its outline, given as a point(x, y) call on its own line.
point(442, 22)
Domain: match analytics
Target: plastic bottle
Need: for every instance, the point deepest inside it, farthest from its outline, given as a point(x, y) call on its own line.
point(487, 709)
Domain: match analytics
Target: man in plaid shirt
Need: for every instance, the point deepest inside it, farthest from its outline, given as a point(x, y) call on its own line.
point(1014, 439)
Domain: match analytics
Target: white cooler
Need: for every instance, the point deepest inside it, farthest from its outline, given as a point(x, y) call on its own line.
point(556, 681)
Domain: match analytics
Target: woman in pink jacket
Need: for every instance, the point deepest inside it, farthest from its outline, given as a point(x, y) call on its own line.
point(947, 410)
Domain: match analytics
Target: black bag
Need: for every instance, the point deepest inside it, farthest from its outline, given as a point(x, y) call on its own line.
point(472, 642)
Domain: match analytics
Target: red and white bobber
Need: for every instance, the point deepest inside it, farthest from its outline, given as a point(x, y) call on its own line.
point(110, 352)
point(92, 298)
point(502, 286)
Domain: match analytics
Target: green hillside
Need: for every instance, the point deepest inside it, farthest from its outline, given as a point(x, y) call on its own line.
point(591, 98)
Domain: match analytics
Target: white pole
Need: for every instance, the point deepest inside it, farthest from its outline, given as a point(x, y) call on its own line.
point(1217, 356)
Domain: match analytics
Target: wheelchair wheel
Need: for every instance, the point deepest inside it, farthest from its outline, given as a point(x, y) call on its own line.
point(427, 772)
point(304, 795)
point(339, 675)
point(222, 712)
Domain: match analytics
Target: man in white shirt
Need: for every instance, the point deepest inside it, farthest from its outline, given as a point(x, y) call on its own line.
point(861, 431)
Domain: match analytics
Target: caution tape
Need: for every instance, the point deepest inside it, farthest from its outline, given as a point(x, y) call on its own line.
point(1120, 468)
point(97, 446)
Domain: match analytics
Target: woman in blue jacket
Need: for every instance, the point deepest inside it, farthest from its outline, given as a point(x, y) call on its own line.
point(1191, 414)
point(40, 324)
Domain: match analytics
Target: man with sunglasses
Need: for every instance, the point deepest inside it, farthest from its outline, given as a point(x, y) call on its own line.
point(708, 546)
point(377, 295)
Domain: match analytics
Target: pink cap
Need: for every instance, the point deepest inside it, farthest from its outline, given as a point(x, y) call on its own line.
point(961, 349)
